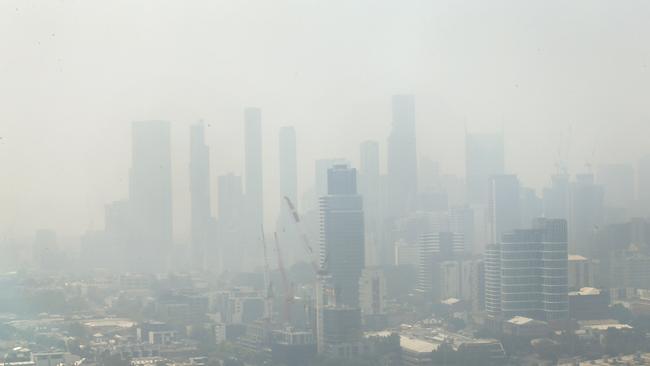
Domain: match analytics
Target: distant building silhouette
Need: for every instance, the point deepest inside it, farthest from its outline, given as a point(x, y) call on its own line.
point(504, 206)
point(201, 215)
point(150, 196)
point(484, 157)
point(586, 211)
point(371, 187)
point(254, 181)
point(618, 187)
point(556, 198)
point(402, 156)
point(230, 223)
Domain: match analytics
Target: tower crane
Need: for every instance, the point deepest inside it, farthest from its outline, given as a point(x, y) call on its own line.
point(288, 290)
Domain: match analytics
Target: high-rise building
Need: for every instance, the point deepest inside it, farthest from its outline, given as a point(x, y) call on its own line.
point(342, 331)
point(288, 164)
point(230, 198)
point(492, 270)
point(230, 233)
point(402, 156)
point(434, 248)
point(201, 215)
point(586, 210)
point(321, 168)
point(484, 158)
point(530, 207)
point(342, 234)
point(461, 220)
point(618, 184)
point(527, 273)
point(581, 273)
point(504, 206)
point(370, 189)
point(150, 196)
point(372, 291)
point(253, 170)
point(556, 198)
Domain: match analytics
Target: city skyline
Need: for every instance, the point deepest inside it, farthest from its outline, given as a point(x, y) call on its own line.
point(551, 100)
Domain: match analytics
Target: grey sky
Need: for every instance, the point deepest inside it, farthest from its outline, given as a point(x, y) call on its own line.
point(74, 74)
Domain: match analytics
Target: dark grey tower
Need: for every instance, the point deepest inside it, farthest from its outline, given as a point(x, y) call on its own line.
point(200, 195)
point(342, 234)
point(150, 196)
point(402, 156)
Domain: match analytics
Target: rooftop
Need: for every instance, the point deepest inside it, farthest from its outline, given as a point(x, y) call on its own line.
point(416, 345)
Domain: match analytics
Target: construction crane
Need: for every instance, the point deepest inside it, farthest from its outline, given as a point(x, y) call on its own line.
point(303, 237)
point(288, 290)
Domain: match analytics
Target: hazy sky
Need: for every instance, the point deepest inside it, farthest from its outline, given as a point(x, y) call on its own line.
point(74, 74)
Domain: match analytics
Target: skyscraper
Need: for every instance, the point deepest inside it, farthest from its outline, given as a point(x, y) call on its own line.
point(556, 198)
point(288, 164)
point(370, 189)
point(230, 233)
point(586, 210)
point(618, 184)
point(321, 168)
point(402, 156)
point(433, 249)
point(150, 196)
point(527, 273)
point(342, 234)
point(253, 166)
point(230, 197)
point(484, 157)
point(201, 216)
point(504, 206)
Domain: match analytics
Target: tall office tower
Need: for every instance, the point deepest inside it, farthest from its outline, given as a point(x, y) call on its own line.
point(484, 157)
point(321, 168)
point(288, 164)
point(504, 206)
point(402, 157)
point(342, 332)
point(150, 196)
point(370, 190)
point(201, 216)
point(372, 291)
point(230, 197)
point(231, 228)
point(618, 184)
point(556, 198)
point(461, 220)
point(531, 207)
point(527, 273)
point(492, 268)
point(253, 166)
point(342, 234)
point(586, 210)
point(435, 248)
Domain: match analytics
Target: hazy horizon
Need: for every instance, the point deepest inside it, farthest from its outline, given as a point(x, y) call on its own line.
point(560, 79)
